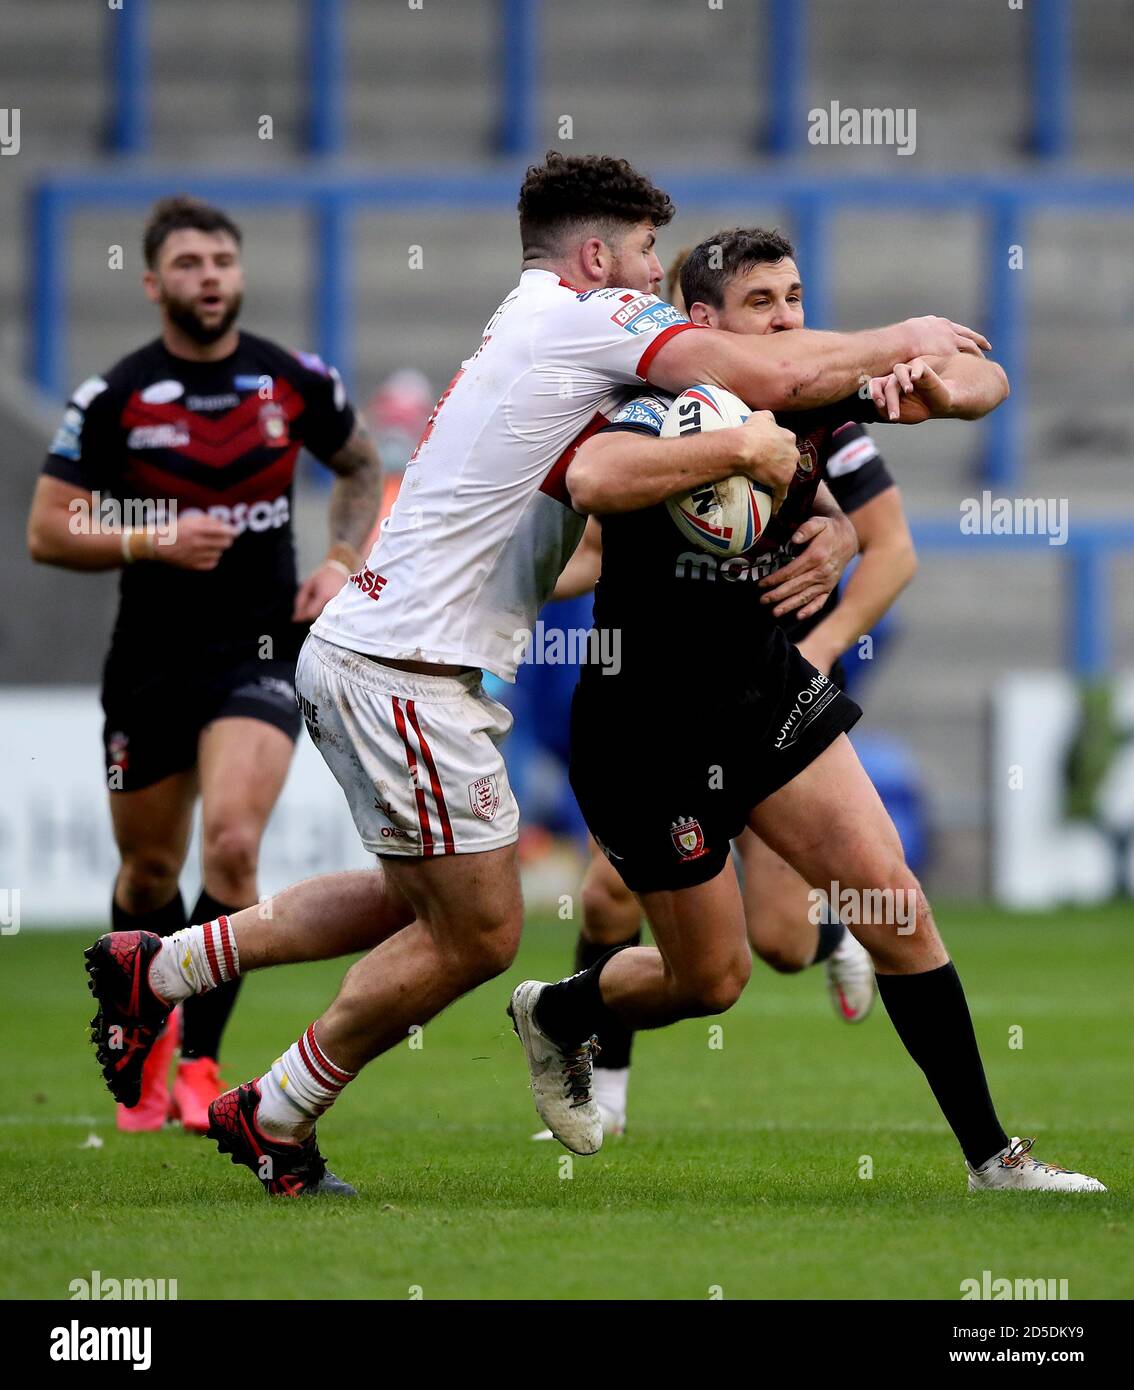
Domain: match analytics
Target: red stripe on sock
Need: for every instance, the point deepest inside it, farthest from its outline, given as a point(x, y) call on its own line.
point(324, 1081)
point(227, 943)
point(211, 953)
point(321, 1057)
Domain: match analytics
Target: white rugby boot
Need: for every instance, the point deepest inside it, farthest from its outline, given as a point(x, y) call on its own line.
point(850, 979)
point(1016, 1168)
point(560, 1080)
point(609, 1085)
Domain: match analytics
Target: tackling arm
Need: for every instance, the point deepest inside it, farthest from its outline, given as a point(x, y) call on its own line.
point(801, 369)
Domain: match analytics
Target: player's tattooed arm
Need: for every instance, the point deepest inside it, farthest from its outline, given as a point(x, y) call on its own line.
point(830, 541)
point(352, 514)
point(939, 388)
point(802, 369)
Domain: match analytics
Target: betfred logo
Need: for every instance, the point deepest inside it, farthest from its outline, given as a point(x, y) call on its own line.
point(369, 583)
point(688, 837)
point(623, 316)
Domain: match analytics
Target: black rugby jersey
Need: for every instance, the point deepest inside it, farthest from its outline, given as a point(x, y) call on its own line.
point(220, 437)
point(668, 599)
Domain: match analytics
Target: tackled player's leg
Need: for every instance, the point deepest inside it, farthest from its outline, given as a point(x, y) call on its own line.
point(829, 823)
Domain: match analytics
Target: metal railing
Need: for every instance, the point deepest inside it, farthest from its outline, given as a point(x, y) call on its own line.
point(810, 203)
point(784, 77)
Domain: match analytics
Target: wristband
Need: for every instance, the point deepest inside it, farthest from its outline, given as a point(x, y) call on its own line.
point(339, 566)
point(128, 556)
point(344, 554)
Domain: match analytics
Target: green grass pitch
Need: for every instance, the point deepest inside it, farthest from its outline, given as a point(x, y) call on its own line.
point(740, 1174)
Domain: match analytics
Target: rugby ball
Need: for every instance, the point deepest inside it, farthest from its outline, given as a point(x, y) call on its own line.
point(725, 518)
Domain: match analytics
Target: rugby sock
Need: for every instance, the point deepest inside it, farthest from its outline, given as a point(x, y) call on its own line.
point(196, 959)
point(572, 1011)
point(162, 920)
point(830, 934)
point(204, 1016)
point(930, 1015)
point(616, 1040)
point(297, 1088)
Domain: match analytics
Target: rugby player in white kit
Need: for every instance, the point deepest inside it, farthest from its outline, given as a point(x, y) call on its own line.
point(389, 681)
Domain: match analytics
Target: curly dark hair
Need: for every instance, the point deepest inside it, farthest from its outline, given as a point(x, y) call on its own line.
point(585, 190)
point(712, 263)
point(177, 213)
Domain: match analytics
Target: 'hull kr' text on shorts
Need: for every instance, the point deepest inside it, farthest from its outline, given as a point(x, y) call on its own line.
point(418, 757)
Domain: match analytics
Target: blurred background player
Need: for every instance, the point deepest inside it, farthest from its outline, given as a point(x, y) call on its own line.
point(746, 280)
point(203, 427)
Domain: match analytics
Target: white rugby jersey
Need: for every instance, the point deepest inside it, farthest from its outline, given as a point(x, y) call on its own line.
point(483, 523)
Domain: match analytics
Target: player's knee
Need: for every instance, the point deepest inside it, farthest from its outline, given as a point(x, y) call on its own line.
point(894, 920)
point(147, 879)
point(782, 956)
point(716, 991)
point(482, 955)
point(230, 855)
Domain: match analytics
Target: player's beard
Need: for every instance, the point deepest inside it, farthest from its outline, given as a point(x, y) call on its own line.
point(620, 276)
point(182, 313)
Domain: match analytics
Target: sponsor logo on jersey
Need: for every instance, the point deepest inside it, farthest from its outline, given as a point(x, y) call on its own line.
point(631, 309)
point(92, 387)
point(157, 437)
point(162, 392)
point(695, 564)
point(253, 383)
point(645, 410)
point(67, 443)
point(810, 702)
point(248, 516)
point(484, 797)
point(222, 402)
point(273, 424)
point(655, 316)
point(688, 837)
point(369, 583)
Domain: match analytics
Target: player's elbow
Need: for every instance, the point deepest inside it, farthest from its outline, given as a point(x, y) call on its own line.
point(584, 485)
point(40, 546)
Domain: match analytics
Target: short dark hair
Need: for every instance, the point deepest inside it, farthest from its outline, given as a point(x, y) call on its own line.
point(583, 189)
point(178, 213)
point(715, 261)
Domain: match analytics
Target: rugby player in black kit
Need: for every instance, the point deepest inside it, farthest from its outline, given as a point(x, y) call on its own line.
point(196, 435)
point(713, 721)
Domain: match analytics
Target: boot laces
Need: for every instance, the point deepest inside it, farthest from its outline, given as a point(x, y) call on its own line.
point(577, 1065)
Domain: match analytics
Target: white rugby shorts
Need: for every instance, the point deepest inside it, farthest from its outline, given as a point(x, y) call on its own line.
point(418, 757)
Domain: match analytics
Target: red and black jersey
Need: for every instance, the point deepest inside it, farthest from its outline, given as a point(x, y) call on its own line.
point(219, 437)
